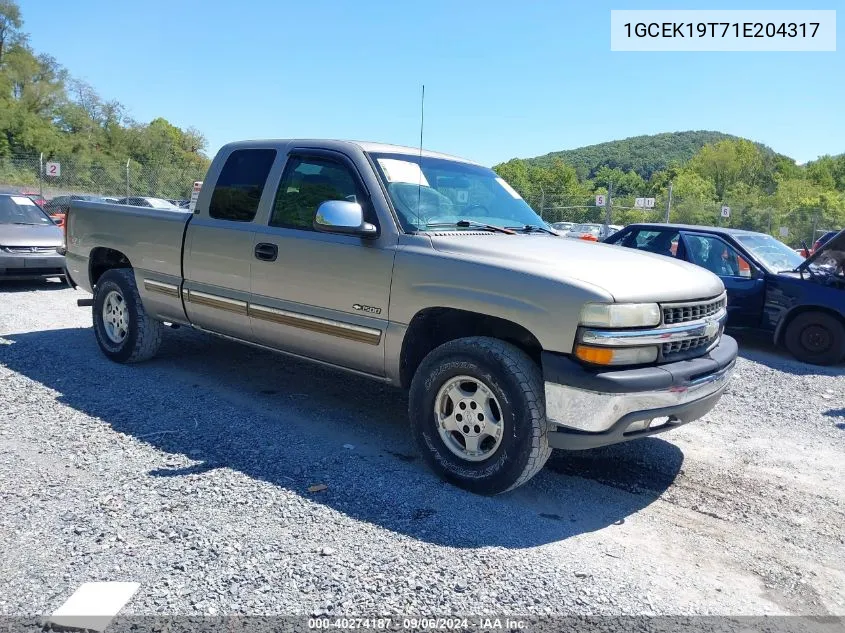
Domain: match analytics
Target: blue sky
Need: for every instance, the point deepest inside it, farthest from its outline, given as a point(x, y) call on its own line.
point(503, 79)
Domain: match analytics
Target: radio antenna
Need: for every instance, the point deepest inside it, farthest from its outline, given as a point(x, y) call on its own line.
point(419, 162)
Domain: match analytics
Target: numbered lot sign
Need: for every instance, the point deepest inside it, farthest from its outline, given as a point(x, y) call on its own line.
point(726, 212)
point(54, 170)
point(600, 200)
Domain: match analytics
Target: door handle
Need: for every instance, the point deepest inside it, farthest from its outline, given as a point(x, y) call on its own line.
point(266, 252)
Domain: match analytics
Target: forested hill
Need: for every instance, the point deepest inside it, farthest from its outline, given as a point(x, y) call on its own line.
point(643, 155)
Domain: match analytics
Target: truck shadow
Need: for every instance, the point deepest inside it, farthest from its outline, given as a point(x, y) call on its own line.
point(294, 424)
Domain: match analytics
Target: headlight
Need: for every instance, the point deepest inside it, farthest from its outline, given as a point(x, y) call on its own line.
point(615, 315)
point(616, 355)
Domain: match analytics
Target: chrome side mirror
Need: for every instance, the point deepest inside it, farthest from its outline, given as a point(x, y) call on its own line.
point(344, 217)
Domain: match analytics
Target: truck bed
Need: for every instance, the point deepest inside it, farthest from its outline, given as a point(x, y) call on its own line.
point(150, 238)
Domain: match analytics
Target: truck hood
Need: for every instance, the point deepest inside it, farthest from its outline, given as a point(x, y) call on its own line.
point(30, 235)
point(625, 274)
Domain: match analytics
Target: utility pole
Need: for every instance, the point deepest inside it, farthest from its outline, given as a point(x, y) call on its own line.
point(669, 203)
point(41, 175)
point(542, 202)
point(127, 178)
point(815, 224)
point(607, 216)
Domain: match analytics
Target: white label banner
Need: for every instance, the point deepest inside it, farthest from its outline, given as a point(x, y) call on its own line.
point(723, 30)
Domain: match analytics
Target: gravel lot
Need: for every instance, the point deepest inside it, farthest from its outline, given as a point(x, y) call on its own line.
point(190, 475)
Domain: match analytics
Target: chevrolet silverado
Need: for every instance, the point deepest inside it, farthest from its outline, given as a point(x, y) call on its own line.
point(424, 271)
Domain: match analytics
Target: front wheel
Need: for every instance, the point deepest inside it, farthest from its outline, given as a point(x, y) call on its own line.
point(124, 331)
point(477, 411)
point(816, 338)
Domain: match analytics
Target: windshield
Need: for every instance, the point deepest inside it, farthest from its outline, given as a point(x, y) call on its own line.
point(21, 210)
point(774, 255)
point(427, 191)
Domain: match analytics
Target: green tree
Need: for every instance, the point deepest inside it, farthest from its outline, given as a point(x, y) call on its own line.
point(729, 162)
point(10, 25)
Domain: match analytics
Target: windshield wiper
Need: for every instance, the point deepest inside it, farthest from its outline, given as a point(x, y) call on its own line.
point(531, 228)
point(471, 224)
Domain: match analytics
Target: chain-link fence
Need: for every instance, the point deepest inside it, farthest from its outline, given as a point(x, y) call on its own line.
point(793, 226)
point(102, 177)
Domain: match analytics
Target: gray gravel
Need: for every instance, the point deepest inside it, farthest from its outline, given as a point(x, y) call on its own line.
point(190, 474)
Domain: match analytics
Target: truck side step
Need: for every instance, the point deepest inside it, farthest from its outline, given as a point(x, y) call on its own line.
point(82, 303)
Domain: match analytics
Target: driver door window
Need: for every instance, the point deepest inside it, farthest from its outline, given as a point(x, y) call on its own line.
point(307, 183)
point(717, 256)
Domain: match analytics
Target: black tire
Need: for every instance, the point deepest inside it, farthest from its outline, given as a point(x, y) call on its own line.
point(816, 338)
point(143, 334)
point(516, 382)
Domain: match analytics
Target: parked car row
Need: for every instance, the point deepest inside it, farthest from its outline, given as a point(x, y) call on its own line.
point(58, 207)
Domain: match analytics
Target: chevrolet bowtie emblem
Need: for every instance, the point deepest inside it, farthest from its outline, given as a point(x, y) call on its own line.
point(711, 328)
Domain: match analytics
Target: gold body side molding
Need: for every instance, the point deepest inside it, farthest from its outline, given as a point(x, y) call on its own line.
point(348, 331)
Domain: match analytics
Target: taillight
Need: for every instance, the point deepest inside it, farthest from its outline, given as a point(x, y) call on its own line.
point(63, 226)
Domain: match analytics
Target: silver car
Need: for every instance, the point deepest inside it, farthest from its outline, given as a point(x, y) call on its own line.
point(28, 241)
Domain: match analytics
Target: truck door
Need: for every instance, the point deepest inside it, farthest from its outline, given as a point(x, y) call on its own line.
point(321, 295)
point(218, 251)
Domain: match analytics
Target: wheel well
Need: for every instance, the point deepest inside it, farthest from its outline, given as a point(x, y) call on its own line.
point(432, 327)
point(103, 259)
point(790, 317)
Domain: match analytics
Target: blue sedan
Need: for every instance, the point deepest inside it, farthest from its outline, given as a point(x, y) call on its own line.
point(799, 302)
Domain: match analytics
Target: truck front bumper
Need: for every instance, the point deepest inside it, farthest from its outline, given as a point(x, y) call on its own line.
point(591, 408)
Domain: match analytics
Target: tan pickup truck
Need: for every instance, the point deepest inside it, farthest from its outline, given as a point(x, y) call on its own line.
point(423, 271)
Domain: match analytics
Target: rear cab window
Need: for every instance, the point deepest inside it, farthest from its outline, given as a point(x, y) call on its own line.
point(238, 189)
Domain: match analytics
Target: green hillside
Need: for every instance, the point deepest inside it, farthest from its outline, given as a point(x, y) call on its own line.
point(765, 191)
point(643, 155)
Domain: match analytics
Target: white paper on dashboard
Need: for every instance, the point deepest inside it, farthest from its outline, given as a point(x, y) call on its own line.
point(402, 171)
point(22, 200)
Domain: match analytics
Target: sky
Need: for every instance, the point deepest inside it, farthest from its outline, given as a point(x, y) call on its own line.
point(503, 79)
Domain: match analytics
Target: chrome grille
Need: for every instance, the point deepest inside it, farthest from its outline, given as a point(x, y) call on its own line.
point(29, 249)
point(686, 312)
point(689, 345)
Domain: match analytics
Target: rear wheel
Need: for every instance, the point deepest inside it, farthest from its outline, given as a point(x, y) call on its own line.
point(477, 411)
point(124, 331)
point(816, 337)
